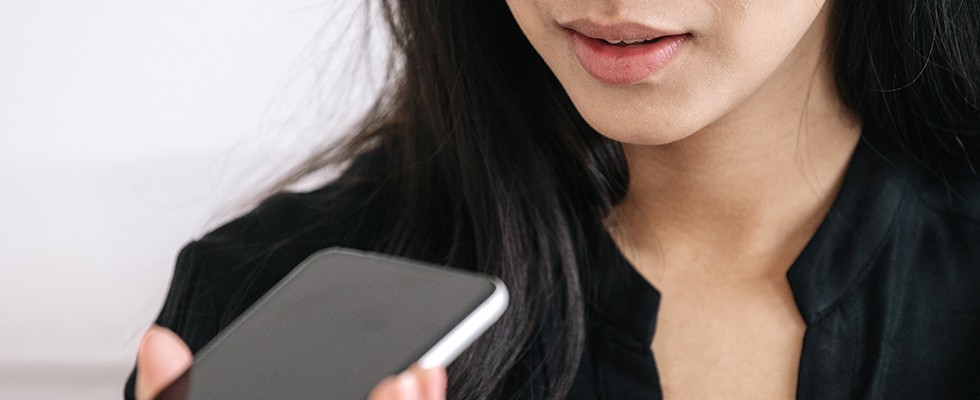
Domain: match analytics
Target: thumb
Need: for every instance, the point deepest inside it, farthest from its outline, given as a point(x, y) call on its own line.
point(162, 357)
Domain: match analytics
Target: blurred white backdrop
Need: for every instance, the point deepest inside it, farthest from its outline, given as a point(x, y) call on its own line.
point(128, 128)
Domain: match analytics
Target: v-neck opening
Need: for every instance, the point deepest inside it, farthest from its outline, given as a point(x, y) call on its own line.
point(829, 267)
point(834, 258)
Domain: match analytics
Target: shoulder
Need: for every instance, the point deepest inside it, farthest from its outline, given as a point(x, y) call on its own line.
point(939, 230)
point(953, 190)
point(220, 275)
point(946, 215)
point(926, 224)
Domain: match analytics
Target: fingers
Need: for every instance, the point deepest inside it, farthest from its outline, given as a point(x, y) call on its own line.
point(433, 383)
point(162, 357)
point(413, 384)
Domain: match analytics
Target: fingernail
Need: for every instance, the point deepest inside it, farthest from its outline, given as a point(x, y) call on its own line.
point(408, 384)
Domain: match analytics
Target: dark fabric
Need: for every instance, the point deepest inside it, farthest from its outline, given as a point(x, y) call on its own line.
point(889, 286)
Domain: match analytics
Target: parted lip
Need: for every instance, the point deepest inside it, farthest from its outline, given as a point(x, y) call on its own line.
point(620, 31)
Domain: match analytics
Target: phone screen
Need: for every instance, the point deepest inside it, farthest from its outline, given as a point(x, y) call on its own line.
point(338, 324)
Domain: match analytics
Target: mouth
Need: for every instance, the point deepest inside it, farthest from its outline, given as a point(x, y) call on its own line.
point(623, 53)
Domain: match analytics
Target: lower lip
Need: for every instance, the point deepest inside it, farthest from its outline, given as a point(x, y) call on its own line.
point(624, 65)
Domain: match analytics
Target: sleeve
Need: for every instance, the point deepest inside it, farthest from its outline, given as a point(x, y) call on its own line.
point(189, 309)
point(220, 275)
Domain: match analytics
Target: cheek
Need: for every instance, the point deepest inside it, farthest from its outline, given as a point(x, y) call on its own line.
point(531, 19)
point(757, 36)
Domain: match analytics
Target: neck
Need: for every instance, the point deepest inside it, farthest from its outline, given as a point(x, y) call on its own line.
point(754, 185)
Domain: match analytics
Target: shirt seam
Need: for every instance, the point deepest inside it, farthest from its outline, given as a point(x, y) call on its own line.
point(866, 268)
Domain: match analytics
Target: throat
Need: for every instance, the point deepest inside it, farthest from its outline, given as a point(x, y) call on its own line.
point(702, 203)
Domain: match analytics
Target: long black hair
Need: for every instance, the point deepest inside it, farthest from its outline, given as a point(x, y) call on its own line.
point(910, 70)
point(493, 169)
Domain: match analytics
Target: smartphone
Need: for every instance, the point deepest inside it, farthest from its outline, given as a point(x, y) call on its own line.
point(338, 324)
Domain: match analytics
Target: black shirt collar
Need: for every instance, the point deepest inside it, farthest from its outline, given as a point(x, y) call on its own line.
point(853, 232)
point(623, 297)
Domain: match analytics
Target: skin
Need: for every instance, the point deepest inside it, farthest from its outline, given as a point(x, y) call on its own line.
point(736, 150)
point(161, 359)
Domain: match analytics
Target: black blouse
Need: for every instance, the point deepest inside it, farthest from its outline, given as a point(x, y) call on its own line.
point(889, 286)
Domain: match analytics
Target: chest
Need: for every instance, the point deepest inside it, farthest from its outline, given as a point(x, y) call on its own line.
point(728, 339)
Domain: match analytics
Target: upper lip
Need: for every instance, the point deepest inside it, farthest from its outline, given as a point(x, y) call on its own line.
point(620, 31)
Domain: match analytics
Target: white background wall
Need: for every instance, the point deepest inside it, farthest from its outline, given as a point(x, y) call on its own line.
point(126, 129)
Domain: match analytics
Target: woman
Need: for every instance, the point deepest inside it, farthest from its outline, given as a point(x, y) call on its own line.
point(782, 191)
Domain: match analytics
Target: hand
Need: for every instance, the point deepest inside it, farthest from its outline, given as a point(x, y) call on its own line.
point(414, 383)
point(163, 357)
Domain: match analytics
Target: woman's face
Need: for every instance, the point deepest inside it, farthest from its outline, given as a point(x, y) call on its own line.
point(696, 61)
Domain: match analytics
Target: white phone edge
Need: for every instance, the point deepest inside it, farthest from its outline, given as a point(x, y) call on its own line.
point(468, 330)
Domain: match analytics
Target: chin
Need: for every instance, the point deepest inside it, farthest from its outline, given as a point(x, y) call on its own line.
point(634, 129)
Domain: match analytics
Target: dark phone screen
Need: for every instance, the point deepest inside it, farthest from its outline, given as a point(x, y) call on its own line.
point(333, 328)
